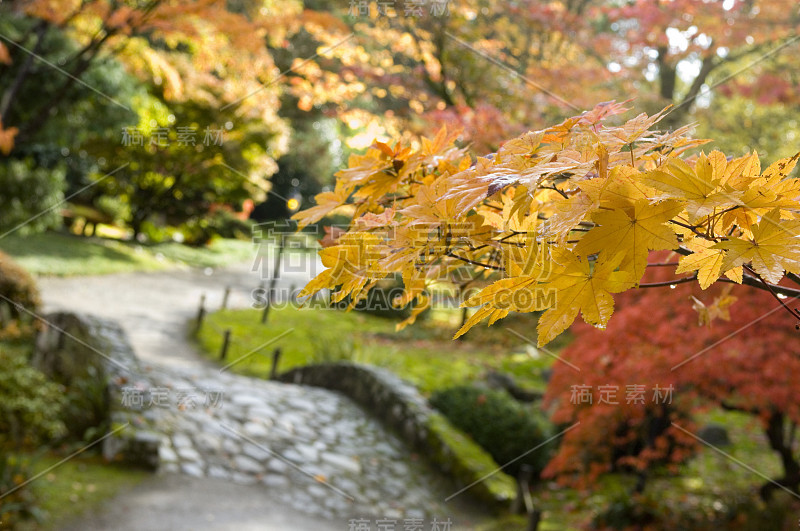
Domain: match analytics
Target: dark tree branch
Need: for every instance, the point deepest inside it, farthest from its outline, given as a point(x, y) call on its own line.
point(24, 70)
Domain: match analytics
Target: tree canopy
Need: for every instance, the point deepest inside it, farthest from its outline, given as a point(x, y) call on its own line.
point(733, 365)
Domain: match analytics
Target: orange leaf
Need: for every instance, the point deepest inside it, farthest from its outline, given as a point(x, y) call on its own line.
point(5, 58)
point(7, 138)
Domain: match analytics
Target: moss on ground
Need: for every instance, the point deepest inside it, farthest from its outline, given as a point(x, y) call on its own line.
point(81, 484)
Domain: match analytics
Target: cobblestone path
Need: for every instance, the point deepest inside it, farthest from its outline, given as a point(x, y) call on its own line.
point(302, 450)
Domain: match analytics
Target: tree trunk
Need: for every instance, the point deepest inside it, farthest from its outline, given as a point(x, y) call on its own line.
point(778, 441)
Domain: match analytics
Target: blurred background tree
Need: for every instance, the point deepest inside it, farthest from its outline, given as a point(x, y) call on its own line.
point(299, 85)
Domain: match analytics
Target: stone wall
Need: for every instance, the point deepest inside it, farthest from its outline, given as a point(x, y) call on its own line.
point(400, 405)
point(94, 357)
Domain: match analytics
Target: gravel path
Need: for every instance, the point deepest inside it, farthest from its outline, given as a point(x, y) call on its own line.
point(243, 453)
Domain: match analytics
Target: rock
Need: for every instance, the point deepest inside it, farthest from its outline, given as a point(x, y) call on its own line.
point(94, 355)
point(231, 446)
point(320, 492)
point(218, 472)
point(246, 400)
point(207, 443)
point(714, 434)
point(247, 464)
point(179, 440)
point(308, 453)
point(189, 454)
point(277, 466)
point(302, 403)
point(255, 430)
point(167, 454)
point(257, 453)
point(292, 455)
point(192, 469)
point(261, 414)
point(342, 462)
point(345, 485)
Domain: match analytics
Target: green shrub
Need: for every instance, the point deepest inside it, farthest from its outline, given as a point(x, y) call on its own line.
point(225, 224)
point(725, 512)
point(628, 512)
point(197, 232)
point(18, 502)
point(28, 192)
point(30, 404)
point(16, 285)
point(502, 426)
point(114, 207)
point(378, 301)
point(30, 408)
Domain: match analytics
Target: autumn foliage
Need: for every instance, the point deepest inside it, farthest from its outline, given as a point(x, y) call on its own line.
point(561, 219)
point(747, 361)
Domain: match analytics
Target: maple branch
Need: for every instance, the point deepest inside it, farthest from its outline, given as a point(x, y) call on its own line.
point(663, 264)
point(563, 193)
point(473, 262)
point(693, 229)
point(757, 283)
point(668, 282)
point(794, 313)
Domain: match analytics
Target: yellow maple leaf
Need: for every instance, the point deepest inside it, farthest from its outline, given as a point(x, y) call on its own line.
point(632, 233)
point(585, 288)
point(621, 189)
point(718, 309)
point(351, 266)
point(705, 259)
point(774, 248)
point(327, 202)
point(431, 205)
point(423, 302)
point(701, 186)
point(480, 314)
point(772, 189)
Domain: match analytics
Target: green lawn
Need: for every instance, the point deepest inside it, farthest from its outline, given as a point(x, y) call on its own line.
point(62, 254)
point(423, 354)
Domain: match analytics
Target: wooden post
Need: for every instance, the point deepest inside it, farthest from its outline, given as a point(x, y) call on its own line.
point(276, 357)
point(265, 313)
point(276, 273)
point(535, 520)
point(226, 341)
point(524, 501)
point(225, 297)
point(201, 312)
